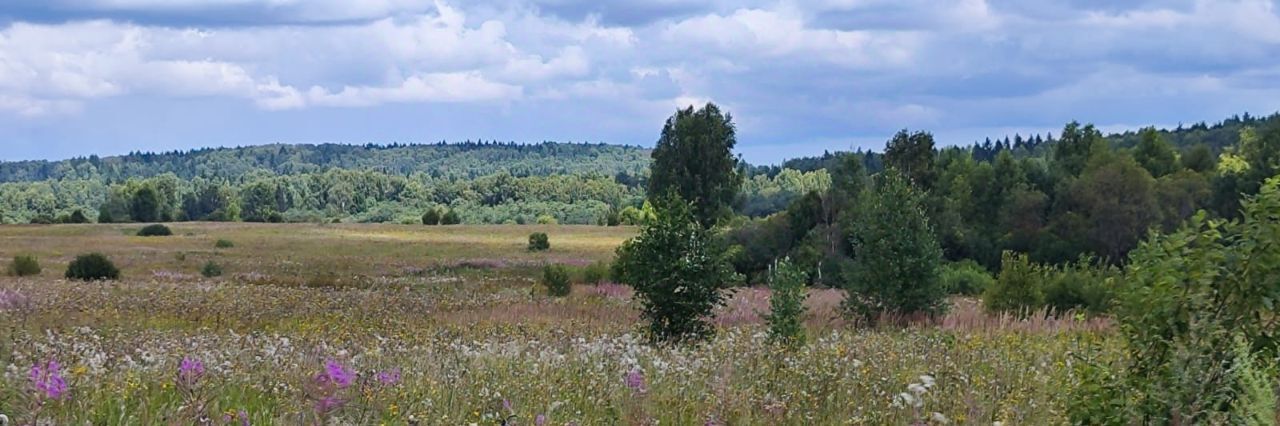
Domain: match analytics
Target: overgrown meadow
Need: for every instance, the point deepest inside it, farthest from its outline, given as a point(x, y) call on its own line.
point(387, 324)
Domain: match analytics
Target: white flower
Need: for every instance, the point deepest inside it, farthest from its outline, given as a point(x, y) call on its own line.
point(916, 388)
point(927, 380)
point(939, 418)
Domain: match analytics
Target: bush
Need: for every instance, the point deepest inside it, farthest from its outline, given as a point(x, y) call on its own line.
point(1018, 287)
point(966, 278)
point(431, 217)
point(77, 217)
point(222, 244)
point(92, 267)
point(556, 279)
point(156, 230)
point(211, 270)
point(786, 304)
point(547, 219)
point(678, 269)
point(1083, 285)
point(538, 242)
point(596, 273)
point(24, 265)
point(450, 218)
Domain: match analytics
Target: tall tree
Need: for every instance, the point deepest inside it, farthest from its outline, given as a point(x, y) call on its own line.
point(145, 205)
point(912, 154)
point(1154, 153)
point(1072, 151)
point(694, 159)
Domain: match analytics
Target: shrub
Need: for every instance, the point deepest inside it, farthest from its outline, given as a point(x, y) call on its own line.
point(556, 279)
point(786, 304)
point(613, 217)
point(211, 270)
point(1083, 285)
point(77, 217)
point(275, 217)
point(431, 217)
point(966, 278)
point(157, 230)
point(450, 218)
point(92, 267)
point(896, 257)
point(24, 265)
point(1018, 287)
point(538, 242)
point(547, 219)
point(678, 269)
point(596, 273)
point(104, 215)
point(222, 244)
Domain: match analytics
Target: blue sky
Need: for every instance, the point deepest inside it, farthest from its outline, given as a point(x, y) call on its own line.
point(111, 76)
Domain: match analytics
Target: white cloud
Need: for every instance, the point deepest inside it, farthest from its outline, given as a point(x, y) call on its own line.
point(443, 87)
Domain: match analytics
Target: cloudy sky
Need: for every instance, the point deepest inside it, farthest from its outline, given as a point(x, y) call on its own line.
point(111, 76)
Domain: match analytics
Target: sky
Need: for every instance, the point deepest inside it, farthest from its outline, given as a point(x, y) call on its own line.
point(80, 77)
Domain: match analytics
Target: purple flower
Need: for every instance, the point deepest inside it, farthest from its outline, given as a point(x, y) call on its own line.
point(190, 371)
point(338, 374)
point(541, 420)
point(48, 381)
point(635, 380)
point(389, 377)
point(328, 404)
point(244, 417)
point(506, 405)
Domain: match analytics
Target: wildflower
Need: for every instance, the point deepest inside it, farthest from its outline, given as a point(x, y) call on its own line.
point(190, 371)
point(540, 420)
point(939, 418)
point(48, 381)
point(635, 380)
point(927, 380)
point(917, 388)
point(328, 404)
point(389, 377)
point(244, 417)
point(338, 374)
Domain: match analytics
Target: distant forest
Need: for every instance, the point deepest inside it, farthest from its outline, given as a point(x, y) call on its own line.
point(498, 182)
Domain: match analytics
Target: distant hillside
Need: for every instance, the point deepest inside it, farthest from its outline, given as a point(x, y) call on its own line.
point(461, 161)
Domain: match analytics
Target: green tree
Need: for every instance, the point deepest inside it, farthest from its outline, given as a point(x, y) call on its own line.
point(912, 153)
point(786, 304)
point(678, 270)
point(1019, 289)
point(145, 205)
point(1072, 151)
point(694, 158)
point(1199, 159)
point(1117, 200)
point(896, 259)
point(1154, 153)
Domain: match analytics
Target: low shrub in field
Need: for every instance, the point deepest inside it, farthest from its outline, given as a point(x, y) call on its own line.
point(431, 217)
point(92, 267)
point(1084, 285)
point(77, 217)
point(450, 218)
point(595, 273)
point(24, 265)
point(547, 220)
point(556, 279)
point(224, 244)
point(157, 230)
point(538, 242)
point(211, 270)
point(786, 304)
point(966, 278)
point(1018, 288)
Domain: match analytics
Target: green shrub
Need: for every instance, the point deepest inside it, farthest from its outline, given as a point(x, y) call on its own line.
point(1018, 288)
point(431, 217)
point(786, 304)
point(678, 269)
point(596, 272)
point(211, 270)
point(538, 242)
point(24, 265)
point(450, 218)
point(966, 278)
point(92, 267)
point(77, 217)
point(222, 244)
point(547, 219)
point(157, 230)
point(1083, 285)
point(556, 279)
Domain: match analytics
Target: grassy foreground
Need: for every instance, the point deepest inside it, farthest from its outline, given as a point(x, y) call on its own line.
point(372, 324)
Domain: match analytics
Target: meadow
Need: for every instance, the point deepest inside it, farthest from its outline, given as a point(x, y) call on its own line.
point(400, 324)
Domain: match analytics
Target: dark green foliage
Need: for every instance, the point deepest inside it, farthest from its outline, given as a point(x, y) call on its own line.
point(211, 270)
point(156, 230)
point(24, 265)
point(1199, 159)
point(694, 160)
point(966, 278)
point(896, 259)
point(450, 217)
point(1019, 289)
point(1086, 285)
point(1196, 310)
point(555, 278)
point(222, 244)
point(786, 304)
point(145, 205)
point(613, 217)
point(92, 267)
point(1075, 147)
point(77, 217)
point(431, 217)
point(596, 273)
point(1155, 154)
point(678, 271)
point(1116, 201)
point(105, 215)
point(538, 242)
point(912, 154)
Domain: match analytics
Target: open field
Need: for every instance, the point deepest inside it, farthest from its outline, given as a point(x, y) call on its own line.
point(444, 325)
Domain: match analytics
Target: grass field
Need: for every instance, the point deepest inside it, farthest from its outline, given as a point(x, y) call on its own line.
point(374, 324)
